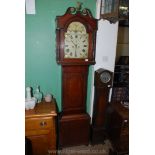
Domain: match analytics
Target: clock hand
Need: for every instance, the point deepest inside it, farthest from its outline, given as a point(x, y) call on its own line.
point(75, 45)
point(71, 40)
point(75, 50)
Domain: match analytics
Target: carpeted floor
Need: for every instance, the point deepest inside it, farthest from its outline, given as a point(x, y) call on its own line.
point(100, 149)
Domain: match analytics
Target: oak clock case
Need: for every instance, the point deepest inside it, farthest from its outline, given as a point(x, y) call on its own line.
point(103, 82)
point(75, 39)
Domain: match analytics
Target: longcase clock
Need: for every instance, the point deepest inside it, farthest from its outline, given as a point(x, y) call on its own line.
point(76, 41)
point(103, 81)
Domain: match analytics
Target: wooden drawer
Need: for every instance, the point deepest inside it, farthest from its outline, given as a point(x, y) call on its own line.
point(125, 127)
point(125, 123)
point(39, 123)
point(125, 131)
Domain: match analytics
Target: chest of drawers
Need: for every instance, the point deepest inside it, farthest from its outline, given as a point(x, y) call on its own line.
point(118, 128)
point(40, 128)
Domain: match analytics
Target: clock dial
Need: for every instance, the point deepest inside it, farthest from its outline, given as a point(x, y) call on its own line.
point(76, 41)
point(105, 77)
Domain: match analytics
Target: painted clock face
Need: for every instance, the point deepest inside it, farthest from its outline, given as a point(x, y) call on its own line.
point(105, 77)
point(76, 41)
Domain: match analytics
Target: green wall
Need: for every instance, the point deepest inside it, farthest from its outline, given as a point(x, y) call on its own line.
point(40, 46)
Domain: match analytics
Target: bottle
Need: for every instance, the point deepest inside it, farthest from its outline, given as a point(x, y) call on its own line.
point(38, 95)
point(28, 93)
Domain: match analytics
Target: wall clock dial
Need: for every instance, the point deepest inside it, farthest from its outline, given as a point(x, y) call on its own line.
point(105, 77)
point(76, 41)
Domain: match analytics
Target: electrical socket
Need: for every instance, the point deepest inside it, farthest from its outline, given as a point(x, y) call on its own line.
point(105, 58)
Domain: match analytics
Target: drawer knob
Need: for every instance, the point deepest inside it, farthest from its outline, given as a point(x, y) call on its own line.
point(125, 121)
point(43, 124)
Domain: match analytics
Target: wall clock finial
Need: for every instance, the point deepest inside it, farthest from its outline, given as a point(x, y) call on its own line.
point(79, 6)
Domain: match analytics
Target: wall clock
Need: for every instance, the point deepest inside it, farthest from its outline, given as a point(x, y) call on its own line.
point(76, 41)
point(103, 81)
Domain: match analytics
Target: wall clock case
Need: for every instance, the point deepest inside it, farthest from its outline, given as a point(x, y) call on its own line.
point(76, 41)
point(103, 82)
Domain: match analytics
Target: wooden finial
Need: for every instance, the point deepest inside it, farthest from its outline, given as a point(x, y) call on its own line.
point(79, 6)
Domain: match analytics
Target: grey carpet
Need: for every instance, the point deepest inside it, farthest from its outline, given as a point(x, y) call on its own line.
point(100, 149)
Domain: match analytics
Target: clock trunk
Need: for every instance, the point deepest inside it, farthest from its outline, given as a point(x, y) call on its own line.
point(74, 89)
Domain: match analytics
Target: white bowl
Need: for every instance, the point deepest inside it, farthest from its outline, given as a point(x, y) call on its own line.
point(30, 103)
point(48, 98)
point(27, 105)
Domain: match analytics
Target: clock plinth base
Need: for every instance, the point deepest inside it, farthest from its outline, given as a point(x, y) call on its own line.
point(74, 130)
point(98, 135)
